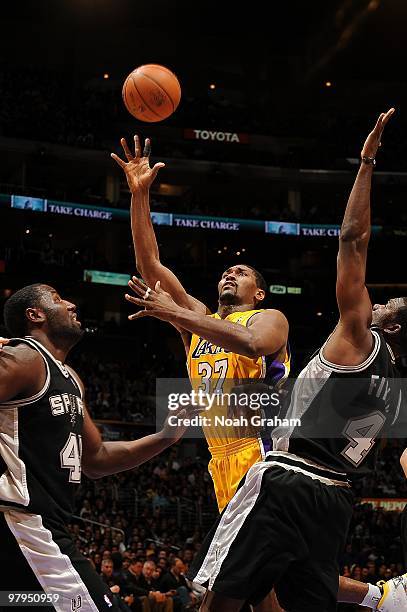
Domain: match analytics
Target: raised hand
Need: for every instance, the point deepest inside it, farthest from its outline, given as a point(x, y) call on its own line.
point(137, 169)
point(156, 302)
point(373, 141)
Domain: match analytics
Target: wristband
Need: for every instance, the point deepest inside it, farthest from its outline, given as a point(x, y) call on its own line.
point(369, 161)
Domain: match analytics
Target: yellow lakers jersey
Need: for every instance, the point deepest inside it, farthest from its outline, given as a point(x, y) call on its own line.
point(213, 369)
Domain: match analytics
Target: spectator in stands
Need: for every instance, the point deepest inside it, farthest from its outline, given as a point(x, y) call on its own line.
point(111, 582)
point(107, 573)
point(163, 564)
point(356, 572)
point(134, 571)
point(159, 602)
point(138, 581)
point(173, 583)
point(372, 575)
point(130, 579)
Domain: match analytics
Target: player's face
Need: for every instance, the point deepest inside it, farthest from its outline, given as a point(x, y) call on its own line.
point(238, 286)
point(386, 314)
point(61, 315)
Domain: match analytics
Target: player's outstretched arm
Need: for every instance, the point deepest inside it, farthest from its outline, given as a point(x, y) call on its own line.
point(139, 177)
point(266, 334)
point(22, 372)
point(351, 342)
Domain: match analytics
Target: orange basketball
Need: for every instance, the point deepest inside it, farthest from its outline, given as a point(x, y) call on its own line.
point(151, 92)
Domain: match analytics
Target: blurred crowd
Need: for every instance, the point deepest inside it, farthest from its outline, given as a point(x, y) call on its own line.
point(141, 529)
point(54, 107)
point(76, 116)
point(116, 390)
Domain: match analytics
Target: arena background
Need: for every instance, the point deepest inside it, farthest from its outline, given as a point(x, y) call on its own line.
point(271, 122)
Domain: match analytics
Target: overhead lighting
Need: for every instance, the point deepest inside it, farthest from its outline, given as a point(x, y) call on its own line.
point(328, 84)
point(212, 86)
point(106, 75)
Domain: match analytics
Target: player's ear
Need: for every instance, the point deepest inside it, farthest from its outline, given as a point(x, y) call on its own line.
point(260, 295)
point(35, 315)
point(392, 329)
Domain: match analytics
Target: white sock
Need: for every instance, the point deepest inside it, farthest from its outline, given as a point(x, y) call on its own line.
point(373, 597)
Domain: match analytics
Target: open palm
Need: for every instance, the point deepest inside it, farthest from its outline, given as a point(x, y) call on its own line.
point(139, 175)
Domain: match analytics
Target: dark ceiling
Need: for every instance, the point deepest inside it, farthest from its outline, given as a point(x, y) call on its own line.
point(343, 39)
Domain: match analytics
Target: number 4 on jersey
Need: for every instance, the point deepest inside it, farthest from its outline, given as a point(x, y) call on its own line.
point(362, 433)
point(71, 456)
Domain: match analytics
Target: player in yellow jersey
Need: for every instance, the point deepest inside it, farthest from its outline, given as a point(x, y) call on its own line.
point(212, 367)
point(241, 341)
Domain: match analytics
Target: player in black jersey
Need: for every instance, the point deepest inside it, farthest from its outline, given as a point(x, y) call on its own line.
point(47, 439)
point(288, 522)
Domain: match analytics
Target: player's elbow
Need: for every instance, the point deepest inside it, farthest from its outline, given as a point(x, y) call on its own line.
point(353, 232)
point(91, 468)
point(149, 270)
point(251, 349)
point(91, 473)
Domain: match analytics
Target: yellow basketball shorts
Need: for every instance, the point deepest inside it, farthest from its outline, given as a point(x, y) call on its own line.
point(229, 464)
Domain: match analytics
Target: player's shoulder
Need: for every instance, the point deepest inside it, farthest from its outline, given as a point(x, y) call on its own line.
point(23, 365)
point(21, 353)
point(270, 314)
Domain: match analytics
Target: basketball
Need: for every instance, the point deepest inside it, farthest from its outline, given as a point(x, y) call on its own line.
point(151, 93)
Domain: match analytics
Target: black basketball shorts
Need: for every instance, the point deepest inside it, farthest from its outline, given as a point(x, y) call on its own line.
point(285, 528)
point(37, 554)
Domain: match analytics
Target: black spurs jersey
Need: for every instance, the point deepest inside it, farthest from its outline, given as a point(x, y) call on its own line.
point(41, 443)
point(344, 410)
